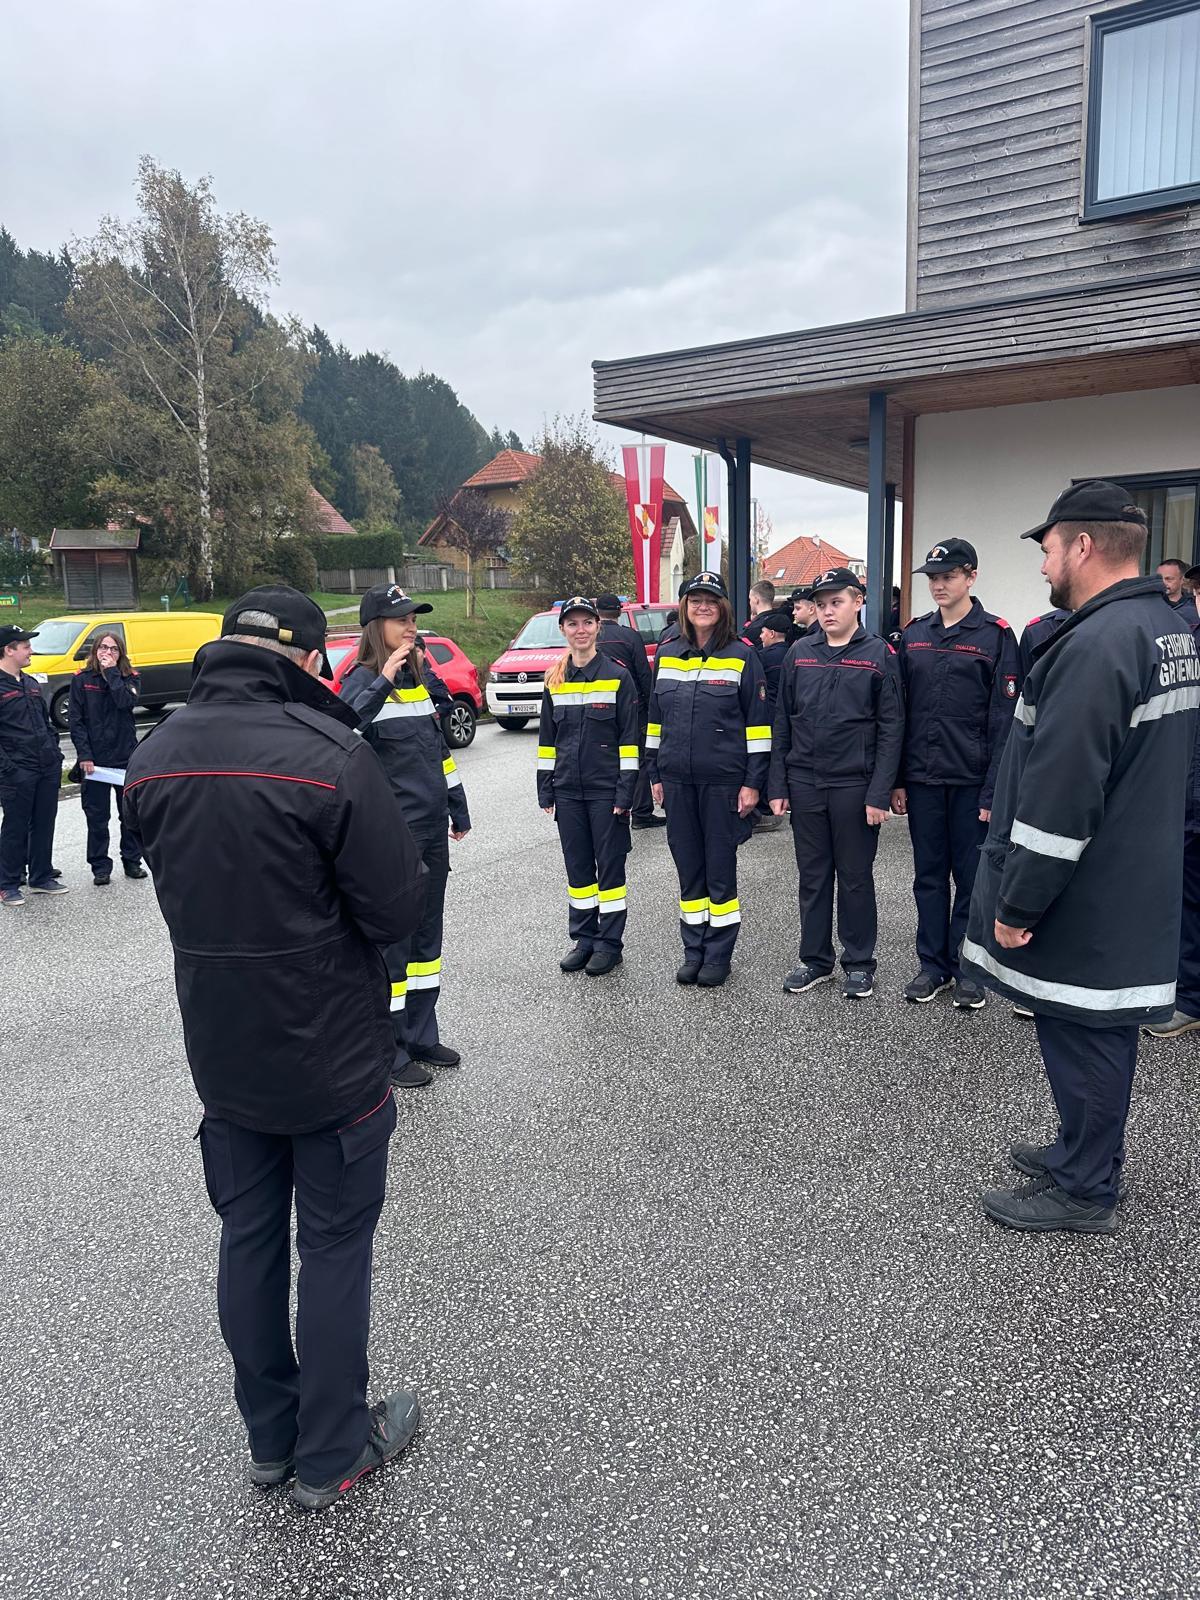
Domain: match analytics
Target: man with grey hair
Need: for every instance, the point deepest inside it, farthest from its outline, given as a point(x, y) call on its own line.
point(282, 864)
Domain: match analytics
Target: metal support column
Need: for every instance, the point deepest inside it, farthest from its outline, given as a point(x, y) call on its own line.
point(740, 537)
point(878, 574)
point(889, 550)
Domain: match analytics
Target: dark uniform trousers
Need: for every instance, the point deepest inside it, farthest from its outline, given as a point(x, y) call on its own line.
point(833, 839)
point(643, 800)
point(29, 801)
point(595, 843)
point(415, 964)
point(1187, 992)
point(1091, 1078)
point(95, 800)
point(703, 835)
point(946, 833)
point(310, 1400)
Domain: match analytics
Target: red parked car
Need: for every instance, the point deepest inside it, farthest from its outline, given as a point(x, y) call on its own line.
point(450, 664)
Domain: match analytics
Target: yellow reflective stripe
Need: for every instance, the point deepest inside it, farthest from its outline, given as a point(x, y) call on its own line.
point(724, 664)
point(628, 750)
point(678, 664)
point(612, 894)
point(422, 969)
point(600, 685)
point(546, 752)
point(590, 891)
point(723, 907)
point(448, 766)
point(399, 994)
point(694, 905)
point(758, 732)
point(653, 730)
point(399, 988)
point(408, 696)
point(702, 663)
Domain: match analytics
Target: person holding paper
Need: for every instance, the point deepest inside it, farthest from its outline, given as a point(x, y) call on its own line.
point(100, 716)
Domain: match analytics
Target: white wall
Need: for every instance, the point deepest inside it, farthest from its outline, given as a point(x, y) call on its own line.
point(988, 475)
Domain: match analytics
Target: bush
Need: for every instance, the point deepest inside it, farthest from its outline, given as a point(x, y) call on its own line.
point(386, 549)
point(292, 561)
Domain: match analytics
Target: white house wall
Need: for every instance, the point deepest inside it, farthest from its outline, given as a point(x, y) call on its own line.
point(988, 475)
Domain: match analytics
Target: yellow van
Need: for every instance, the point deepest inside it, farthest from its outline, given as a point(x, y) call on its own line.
point(161, 645)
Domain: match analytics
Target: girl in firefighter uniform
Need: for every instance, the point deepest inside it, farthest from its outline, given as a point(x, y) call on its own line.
point(587, 773)
point(389, 688)
point(708, 745)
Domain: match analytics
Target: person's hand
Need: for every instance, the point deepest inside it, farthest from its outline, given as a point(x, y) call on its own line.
point(747, 800)
point(779, 808)
point(876, 816)
point(87, 766)
point(549, 810)
point(656, 793)
point(395, 661)
point(459, 833)
point(620, 811)
point(985, 816)
point(900, 802)
point(1011, 938)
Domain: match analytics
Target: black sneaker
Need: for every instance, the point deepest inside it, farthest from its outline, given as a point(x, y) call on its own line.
point(575, 960)
point(688, 972)
point(102, 880)
point(968, 996)
point(858, 985)
point(924, 986)
point(437, 1055)
point(269, 1474)
point(410, 1075)
point(137, 870)
point(805, 977)
point(393, 1423)
point(712, 974)
point(1023, 1012)
point(648, 822)
point(603, 961)
point(1031, 1160)
point(1040, 1206)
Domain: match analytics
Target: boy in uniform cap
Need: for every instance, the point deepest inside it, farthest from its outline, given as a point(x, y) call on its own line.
point(30, 775)
point(836, 745)
point(961, 675)
point(1076, 904)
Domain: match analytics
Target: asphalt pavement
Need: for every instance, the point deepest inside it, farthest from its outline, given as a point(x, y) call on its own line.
point(694, 1286)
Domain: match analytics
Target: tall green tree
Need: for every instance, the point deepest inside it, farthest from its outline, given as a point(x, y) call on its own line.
point(44, 390)
point(33, 289)
point(171, 305)
point(375, 491)
point(571, 531)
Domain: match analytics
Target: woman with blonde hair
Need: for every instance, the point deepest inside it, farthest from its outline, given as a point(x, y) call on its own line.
point(708, 745)
point(587, 773)
point(100, 717)
point(389, 686)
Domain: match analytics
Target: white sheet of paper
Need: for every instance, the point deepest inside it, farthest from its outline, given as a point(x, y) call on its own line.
point(114, 775)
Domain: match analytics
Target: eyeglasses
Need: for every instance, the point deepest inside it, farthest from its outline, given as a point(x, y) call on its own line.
point(107, 650)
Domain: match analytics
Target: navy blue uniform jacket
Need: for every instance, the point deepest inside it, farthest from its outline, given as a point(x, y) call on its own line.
point(588, 735)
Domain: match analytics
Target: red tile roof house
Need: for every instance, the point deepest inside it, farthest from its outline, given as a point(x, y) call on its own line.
point(799, 563)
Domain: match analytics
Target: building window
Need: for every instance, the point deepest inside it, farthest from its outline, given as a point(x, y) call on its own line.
point(1171, 502)
point(1143, 133)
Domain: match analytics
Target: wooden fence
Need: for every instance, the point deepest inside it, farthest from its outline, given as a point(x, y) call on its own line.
point(418, 577)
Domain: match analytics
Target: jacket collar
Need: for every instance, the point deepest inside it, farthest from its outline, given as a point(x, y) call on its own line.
point(822, 643)
point(227, 671)
point(1127, 589)
point(973, 618)
point(584, 674)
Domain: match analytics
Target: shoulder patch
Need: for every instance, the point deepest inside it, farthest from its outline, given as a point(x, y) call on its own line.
point(999, 621)
point(320, 723)
point(891, 649)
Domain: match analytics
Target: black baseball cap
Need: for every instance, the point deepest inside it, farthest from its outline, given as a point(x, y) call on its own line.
point(948, 555)
point(777, 621)
point(579, 602)
point(608, 602)
point(11, 634)
point(388, 600)
point(803, 593)
point(835, 578)
point(1096, 500)
point(302, 623)
point(710, 583)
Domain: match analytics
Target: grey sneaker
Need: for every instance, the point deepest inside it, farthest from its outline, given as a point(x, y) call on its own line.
point(1040, 1206)
point(53, 887)
point(805, 977)
point(968, 996)
point(858, 985)
point(1173, 1027)
point(393, 1423)
point(924, 986)
point(12, 897)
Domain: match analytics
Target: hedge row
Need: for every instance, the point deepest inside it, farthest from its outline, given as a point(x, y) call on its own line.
point(360, 549)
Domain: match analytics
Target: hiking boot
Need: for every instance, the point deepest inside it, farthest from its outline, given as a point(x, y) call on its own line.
point(15, 899)
point(269, 1474)
point(102, 879)
point(968, 996)
point(437, 1055)
point(410, 1075)
point(688, 972)
point(602, 961)
point(804, 977)
point(925, 985)
point(136, 870)
point(575, 960)
point(1031, 1160)
point(1040, 1206)
point(858, 985)
point(393, 1423)
point(1181, 1022)
point(712, 974)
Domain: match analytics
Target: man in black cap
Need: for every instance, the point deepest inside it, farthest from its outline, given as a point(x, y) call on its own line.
point(30, 775)
point(1172, 571)
point(1076, 906)
point(961, 677)
point(281, 865)
point(626, 646)
point(804, 613)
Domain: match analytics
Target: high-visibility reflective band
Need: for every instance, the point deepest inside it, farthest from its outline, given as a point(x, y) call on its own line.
point(1024, 713)
point(612, 900)
point(407, 703)
point(1071, 994)
point(629, 757)
point(399, 990)
point(758, 738)
point(653, 735)
point(722, 913)
point(589, 895)
point(452, 773)
point(545, 757)
point(425, 974)
point(675, 669)
point(693, 911)
point(1060, 845)
point(603, 692)
point(1164, 704)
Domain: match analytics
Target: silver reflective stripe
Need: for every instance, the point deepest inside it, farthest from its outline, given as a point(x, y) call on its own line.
point(397, 1003)
point(427, 980)
point(1060, 845)
point(693, 917)
point(674, 675)
point(757, 744)
point(585, 696)
point(607, 907)
point(545, 764)
point(629, 763)
point(653, 740)
point(724, 921)
point(405, 708)
point(1164, 704)
point(1072, 994)
point(454, 779)
point(1024, 713)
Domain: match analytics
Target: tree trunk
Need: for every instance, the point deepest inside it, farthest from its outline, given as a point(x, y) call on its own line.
point(470, 584)
point(204, 555)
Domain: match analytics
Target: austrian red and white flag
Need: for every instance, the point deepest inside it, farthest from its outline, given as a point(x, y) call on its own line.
point(645, 465)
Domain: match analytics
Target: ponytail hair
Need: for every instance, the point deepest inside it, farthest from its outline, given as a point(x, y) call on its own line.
point(558, 671)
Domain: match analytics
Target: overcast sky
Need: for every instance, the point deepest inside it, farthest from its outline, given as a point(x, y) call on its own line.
point(500, 192)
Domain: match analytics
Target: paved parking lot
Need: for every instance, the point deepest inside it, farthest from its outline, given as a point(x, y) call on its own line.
point(694, 1286)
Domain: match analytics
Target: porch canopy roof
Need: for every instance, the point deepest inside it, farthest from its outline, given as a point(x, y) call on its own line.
point(801, 399)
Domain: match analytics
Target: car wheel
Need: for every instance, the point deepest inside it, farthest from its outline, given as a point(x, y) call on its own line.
point(458, 724)
point(58, 709)
point(512, 723)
